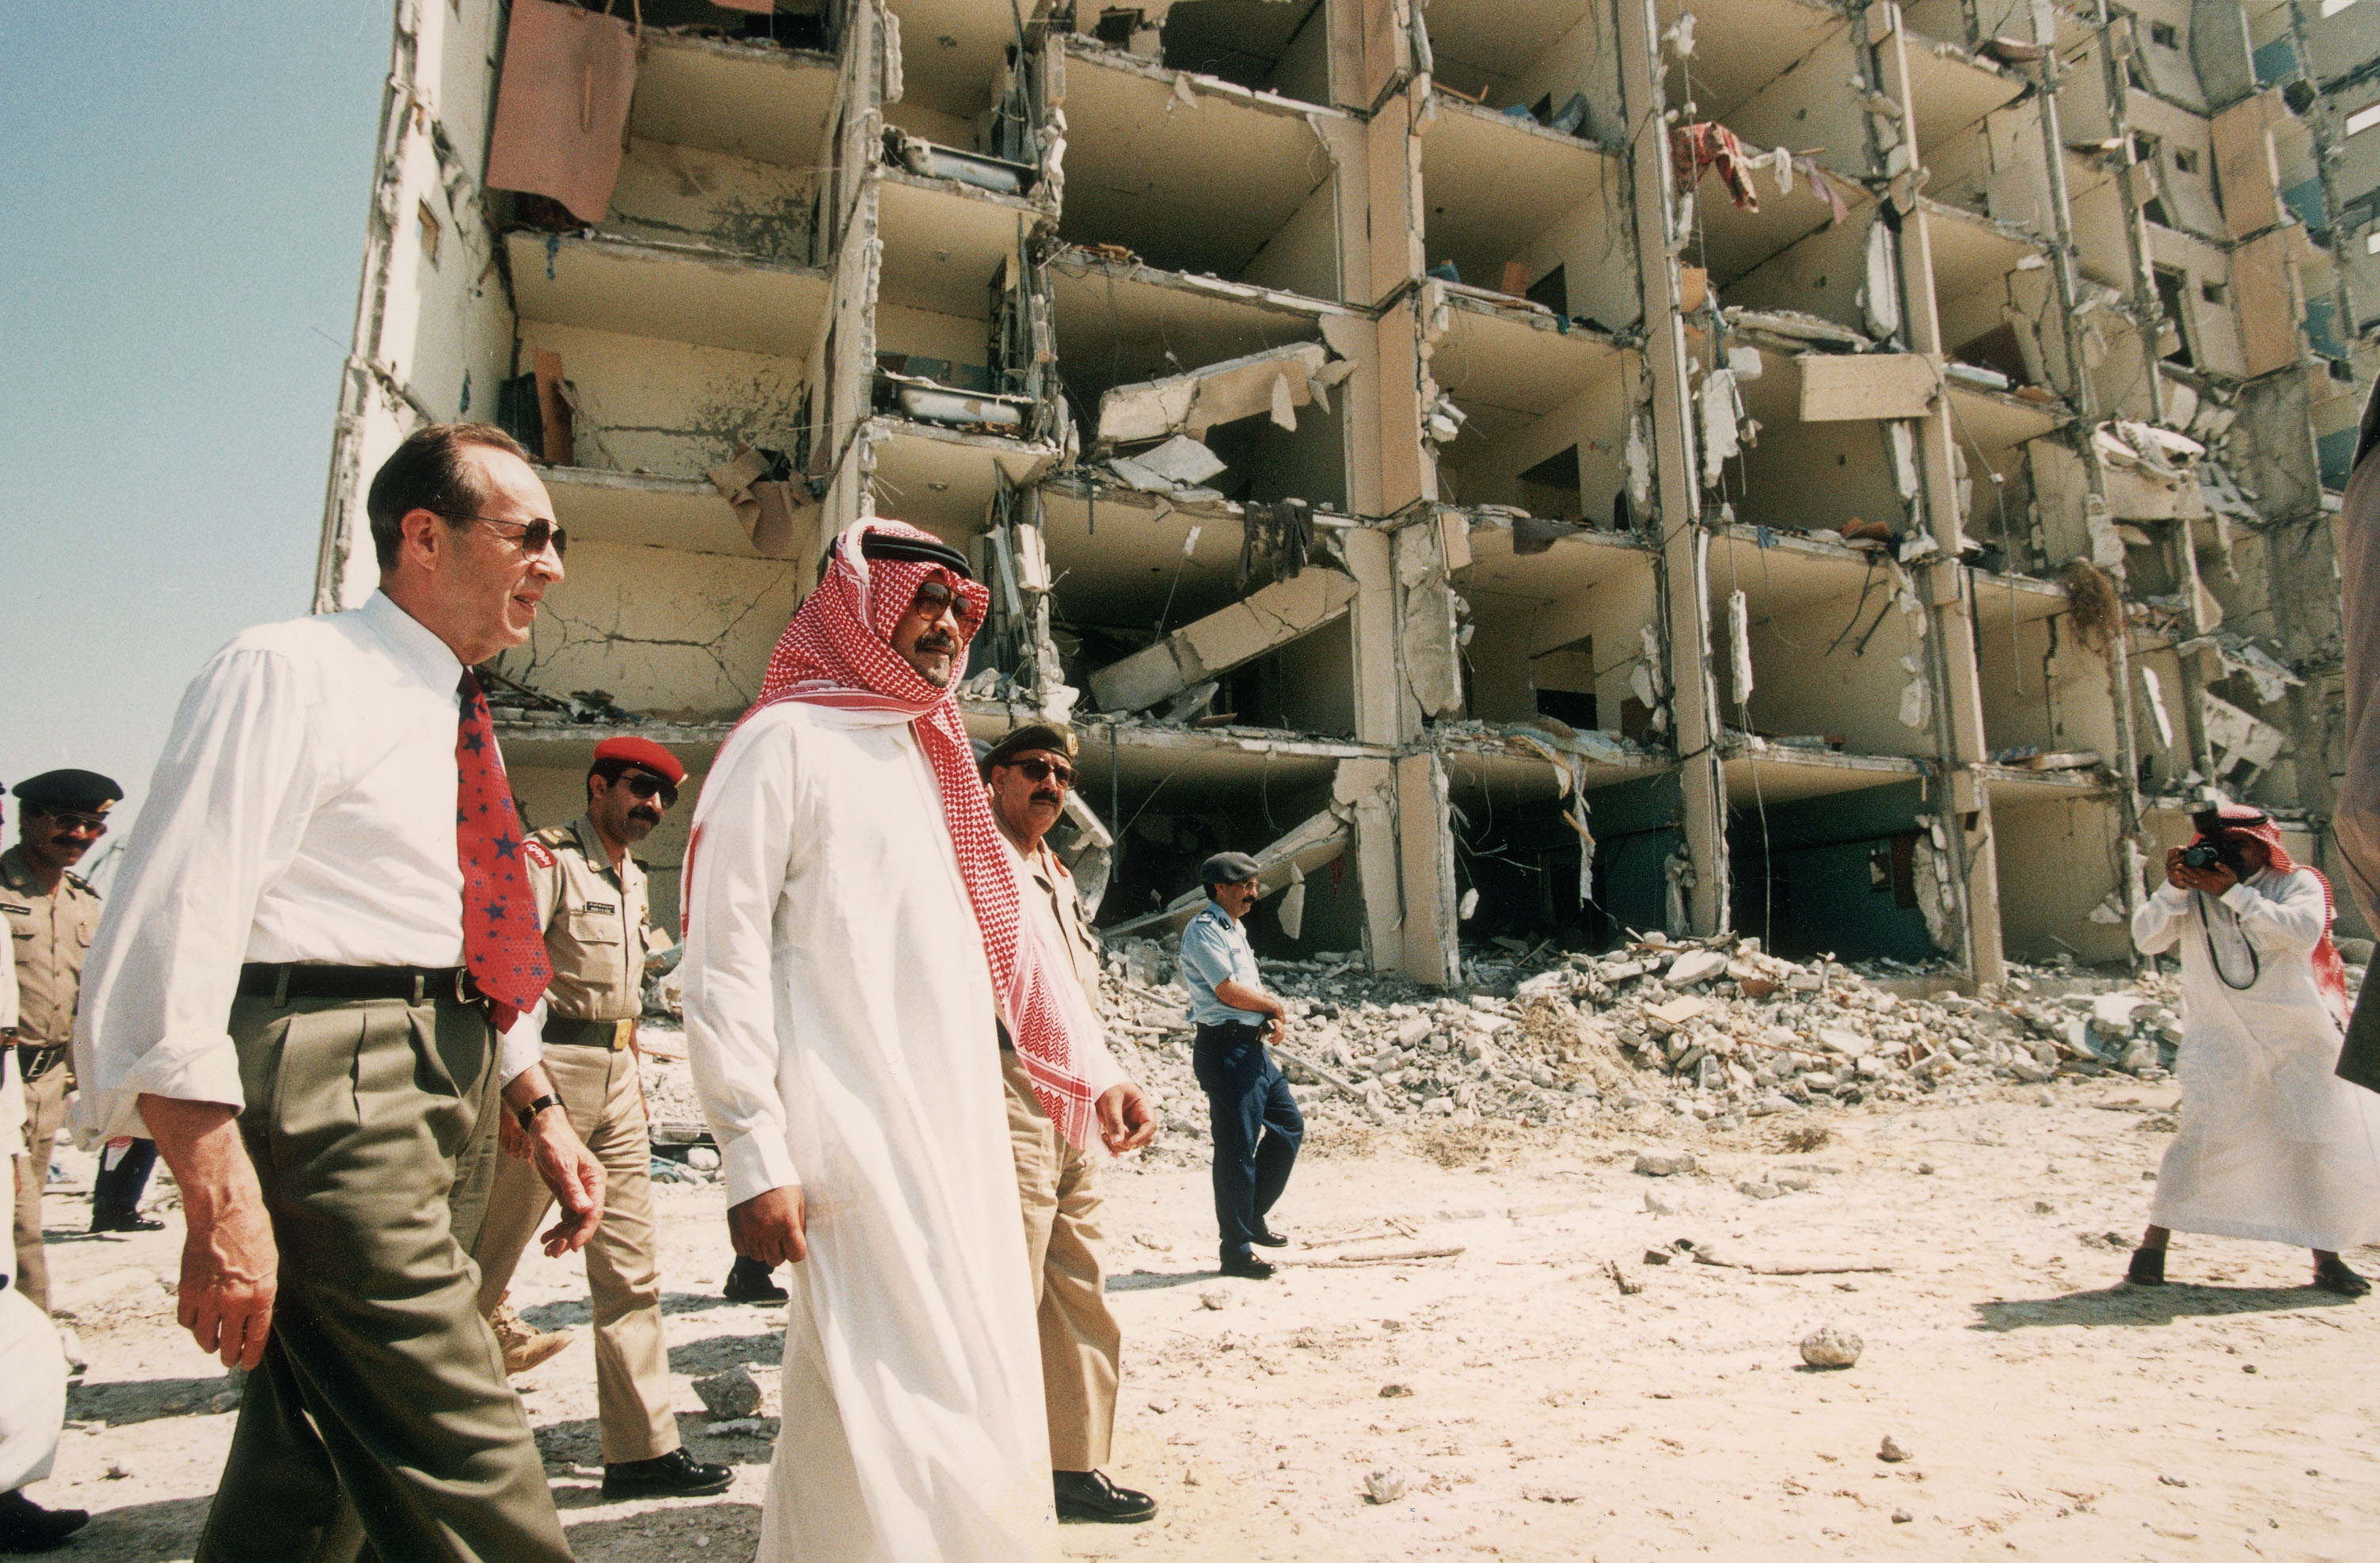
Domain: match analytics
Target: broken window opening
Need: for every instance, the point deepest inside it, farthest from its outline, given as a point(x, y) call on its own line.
point(1552, 488)
point(2171, 288)
point(1260, 44)
point(1837, 874)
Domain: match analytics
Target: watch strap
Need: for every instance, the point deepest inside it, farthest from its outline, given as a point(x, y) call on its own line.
point(528, 1113)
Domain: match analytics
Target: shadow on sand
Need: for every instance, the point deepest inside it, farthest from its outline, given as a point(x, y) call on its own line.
point(2122, 1304)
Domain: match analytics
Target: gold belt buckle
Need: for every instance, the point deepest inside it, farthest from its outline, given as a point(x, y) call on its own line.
point(623, 1032)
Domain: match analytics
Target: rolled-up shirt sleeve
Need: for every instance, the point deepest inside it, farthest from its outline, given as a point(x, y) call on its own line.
point(1207, 952)
point(227, 809)
point(737, 858)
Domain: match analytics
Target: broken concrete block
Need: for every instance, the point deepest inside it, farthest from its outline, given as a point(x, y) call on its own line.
point(1891, 1451)
point(1665, 1164)
point(731, 1394)
point(1274, 384)
point(1668, 1017)
point(1694, 966)
point(1264, 621)
point(1384, 1487)
point(1827, 1347)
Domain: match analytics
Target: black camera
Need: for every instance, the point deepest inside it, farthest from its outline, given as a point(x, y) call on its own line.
point(2202, 856)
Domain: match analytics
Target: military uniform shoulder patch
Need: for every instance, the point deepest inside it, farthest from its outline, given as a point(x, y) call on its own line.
point(538, 853)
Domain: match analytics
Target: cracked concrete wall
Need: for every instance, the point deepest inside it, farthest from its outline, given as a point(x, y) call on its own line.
point(644, 405)
point(674, 194)
point(672, 637)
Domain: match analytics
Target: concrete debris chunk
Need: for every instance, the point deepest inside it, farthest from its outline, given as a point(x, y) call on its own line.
point(1384, 1487)
point(1827, 1347)
point(729, 1394)
point(1891, 1451)
point(1664, 1164)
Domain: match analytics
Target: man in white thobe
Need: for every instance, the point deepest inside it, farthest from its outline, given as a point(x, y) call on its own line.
point(852, 933)
point(2273, 1146)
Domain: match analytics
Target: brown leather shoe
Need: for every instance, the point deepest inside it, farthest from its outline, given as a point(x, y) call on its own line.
point(525, 1345)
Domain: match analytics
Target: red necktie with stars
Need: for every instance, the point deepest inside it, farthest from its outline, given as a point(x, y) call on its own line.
point(503, 948)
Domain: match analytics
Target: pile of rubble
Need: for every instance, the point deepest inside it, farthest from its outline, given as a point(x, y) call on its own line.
point(1717, 1030)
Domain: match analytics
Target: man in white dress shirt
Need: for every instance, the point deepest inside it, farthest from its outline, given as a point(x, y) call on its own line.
point(855, 930)
point(318, 931)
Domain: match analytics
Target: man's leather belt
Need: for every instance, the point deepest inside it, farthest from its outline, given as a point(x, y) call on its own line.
point(34, 1059)
point(569, 1032)
point(259, 979)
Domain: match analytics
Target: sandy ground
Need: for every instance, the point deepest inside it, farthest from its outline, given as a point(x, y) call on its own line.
point(1533, 1410)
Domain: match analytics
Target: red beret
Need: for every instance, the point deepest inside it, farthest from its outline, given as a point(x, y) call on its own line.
point(643, 752)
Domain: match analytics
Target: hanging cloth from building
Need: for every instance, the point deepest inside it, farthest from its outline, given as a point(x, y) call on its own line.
point(1707, 144)
point(1282, 534)
point(562, 108)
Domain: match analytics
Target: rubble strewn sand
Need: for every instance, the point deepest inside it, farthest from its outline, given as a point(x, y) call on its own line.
point(1514, 1396)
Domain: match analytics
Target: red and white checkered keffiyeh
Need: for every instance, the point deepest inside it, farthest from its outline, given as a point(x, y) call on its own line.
point(2330, 971)
point(838, 651)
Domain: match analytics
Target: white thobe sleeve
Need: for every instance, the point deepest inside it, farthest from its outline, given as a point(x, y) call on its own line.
point(227, 807)
point(2289, 917)
point(2156, 922)
point(737, 861)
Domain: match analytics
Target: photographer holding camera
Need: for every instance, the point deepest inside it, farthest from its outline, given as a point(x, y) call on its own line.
point(2273, 1146)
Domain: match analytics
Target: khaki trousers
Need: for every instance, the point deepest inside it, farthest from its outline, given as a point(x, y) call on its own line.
point(45, 1109)
point(633, 1388)
point(378, 1424)
point(1080, 1340)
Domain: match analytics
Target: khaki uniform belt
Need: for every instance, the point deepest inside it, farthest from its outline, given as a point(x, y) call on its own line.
point(567, 1031)
point(34, 1059)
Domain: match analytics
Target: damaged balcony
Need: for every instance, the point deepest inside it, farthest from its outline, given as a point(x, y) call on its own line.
point(1819, 654)
point(1554, 61)
point(1564, 626)
point(960, 408)
point(1194, 174)
point(1543, 404)
point(742, 98)
point(1133, 341)
point(1515, 208)
point(2049, 725)
point(1154, 622)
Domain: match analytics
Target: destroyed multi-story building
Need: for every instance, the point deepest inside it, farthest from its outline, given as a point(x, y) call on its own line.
point(1531, 469)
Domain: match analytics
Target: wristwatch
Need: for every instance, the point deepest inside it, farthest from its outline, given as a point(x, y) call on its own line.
point(528, 1113)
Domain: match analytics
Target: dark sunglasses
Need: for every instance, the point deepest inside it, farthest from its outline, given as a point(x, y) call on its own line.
point(71, 819)
point(644, 784)
point(1040, 769)
point(531, 537)
point(933, 599)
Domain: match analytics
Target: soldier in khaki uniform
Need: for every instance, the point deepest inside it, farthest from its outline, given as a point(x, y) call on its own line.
point(1027, 776)
point(591, 898)
point(51, 916)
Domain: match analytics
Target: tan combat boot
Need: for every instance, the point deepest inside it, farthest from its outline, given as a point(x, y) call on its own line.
point(525, 1345)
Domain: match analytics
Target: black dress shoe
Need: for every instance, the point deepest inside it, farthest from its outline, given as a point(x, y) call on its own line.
point(123, 1221)
point(1270, 1238)
point(1249, 1267)
point(26, 1526)
point(1089, 1497)
point(2332, 1275)
point(749, 1282)
point(2147, 1267)
point(674, 1475)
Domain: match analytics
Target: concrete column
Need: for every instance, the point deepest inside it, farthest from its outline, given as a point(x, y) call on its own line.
point(1964, 805)
point(1676, 508)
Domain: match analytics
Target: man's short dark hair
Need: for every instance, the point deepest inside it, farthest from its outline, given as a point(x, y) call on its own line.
point(427, 472)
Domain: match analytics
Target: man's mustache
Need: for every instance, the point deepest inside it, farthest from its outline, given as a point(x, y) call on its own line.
point(1044, 796)
point(652, 814)
point(938, 641)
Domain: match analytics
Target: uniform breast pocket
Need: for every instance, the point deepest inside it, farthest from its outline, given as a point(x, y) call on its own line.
point(591, 927)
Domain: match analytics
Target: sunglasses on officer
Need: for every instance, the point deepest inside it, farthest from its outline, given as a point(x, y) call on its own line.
point(1040, 769)
point(70, 820)
point(644, 784)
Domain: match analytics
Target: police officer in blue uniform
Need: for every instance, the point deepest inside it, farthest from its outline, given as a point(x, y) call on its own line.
point(1256, 1123)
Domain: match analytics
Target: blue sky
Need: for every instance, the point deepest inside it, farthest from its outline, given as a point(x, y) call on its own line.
point(186, 188)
